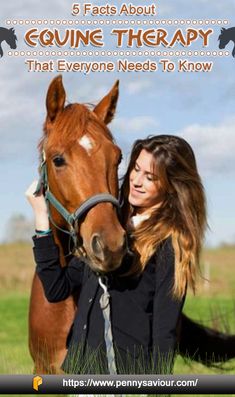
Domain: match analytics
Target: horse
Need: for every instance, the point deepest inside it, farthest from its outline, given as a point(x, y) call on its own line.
point(225, 37)
point(9, 36)
point(81, 160)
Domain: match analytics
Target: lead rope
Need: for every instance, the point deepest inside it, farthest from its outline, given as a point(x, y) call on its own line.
point(108, 336)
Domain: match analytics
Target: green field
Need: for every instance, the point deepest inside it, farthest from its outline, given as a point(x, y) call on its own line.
point(214, 305)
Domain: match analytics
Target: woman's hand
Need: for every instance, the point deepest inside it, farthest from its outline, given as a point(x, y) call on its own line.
point(39, 206)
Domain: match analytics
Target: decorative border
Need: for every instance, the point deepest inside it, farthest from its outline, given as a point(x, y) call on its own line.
point(116, 53)
point(69, 22)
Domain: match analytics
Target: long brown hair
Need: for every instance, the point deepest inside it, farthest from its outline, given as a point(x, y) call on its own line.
point(182, 213)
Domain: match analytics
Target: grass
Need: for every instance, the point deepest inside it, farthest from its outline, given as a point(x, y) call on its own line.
point(14, 352)
point(217, 264)
point(15, 357)
point(214, 306)
point(216, 312)
point(17, 268)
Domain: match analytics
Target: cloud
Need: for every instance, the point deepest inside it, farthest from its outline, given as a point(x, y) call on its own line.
point(214, 145)
point(165, 10)
point(137, 86)
point(22, 104)
point(34, 9)
point(135, 124)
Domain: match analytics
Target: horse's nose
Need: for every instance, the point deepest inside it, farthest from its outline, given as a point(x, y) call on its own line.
point(97, 246)
point(106, 252)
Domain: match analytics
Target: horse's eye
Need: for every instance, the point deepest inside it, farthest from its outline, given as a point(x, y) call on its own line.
point(59, 161)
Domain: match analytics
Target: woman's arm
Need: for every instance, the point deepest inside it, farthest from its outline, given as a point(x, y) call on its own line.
point(58, 282)
point(39, 207)
point(166, 310)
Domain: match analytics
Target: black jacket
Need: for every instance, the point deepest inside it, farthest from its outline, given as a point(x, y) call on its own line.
point(143, 312)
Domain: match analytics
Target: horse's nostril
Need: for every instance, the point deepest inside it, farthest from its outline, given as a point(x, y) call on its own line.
point(97, 246)
point(108, 253)
point(125, 244)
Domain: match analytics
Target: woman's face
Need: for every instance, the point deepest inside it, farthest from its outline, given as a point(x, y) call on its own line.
point(145, 189)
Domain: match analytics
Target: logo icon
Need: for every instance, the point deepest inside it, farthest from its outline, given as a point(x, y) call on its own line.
point(37, 381)
point(224, 38)
point(9, 36)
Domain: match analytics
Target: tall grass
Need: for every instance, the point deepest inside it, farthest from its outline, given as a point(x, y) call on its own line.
point(213, 306)
point(14, 354)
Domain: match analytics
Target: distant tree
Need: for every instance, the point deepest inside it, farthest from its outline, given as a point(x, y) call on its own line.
point(225, 244)
point(19, 228)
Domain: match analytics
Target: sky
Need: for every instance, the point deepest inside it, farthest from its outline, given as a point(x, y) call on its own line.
point(197, 106)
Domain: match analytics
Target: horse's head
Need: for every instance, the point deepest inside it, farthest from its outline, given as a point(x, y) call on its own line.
point(11, 38)
point(82, 161)
point(224, 38)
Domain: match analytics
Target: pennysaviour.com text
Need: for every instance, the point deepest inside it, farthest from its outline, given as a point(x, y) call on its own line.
point(129, 383)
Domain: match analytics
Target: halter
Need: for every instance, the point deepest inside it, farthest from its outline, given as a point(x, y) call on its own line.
point(70, 218)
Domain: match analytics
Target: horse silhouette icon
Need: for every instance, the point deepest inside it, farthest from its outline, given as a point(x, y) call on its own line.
point(224, 38)
point(9, 36)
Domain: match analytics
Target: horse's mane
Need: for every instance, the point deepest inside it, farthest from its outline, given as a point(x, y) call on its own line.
point(71, 124)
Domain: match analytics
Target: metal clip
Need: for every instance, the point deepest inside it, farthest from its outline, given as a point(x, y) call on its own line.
point(43, 156)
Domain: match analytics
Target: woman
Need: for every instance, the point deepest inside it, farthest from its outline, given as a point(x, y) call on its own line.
point(164, 213)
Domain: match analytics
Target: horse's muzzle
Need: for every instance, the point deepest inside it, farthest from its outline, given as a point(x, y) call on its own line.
point(107, 258)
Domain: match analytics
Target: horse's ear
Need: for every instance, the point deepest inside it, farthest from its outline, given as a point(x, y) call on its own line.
point(55, 97)
point(105, 109)
point(222, 30)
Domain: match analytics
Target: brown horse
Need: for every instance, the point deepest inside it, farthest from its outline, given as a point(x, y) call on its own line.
point(82, 160)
